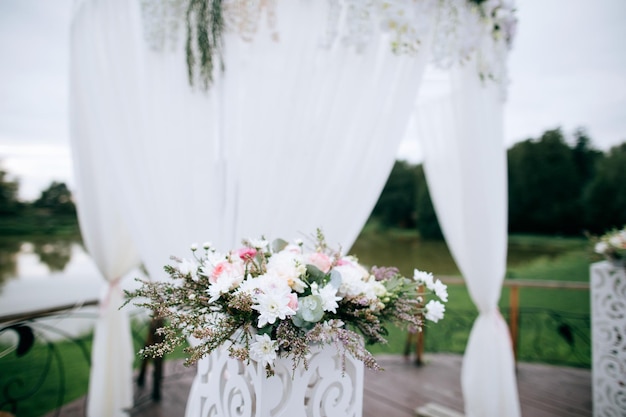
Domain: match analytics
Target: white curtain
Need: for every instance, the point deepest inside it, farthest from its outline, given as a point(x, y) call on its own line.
point(289, 138)
point(107, 240)
point(461, 130)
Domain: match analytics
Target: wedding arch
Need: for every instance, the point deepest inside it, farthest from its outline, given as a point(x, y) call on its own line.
point(286, 116)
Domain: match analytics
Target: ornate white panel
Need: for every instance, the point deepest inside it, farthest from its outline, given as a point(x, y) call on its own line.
point(228, 387)
point(608, 325)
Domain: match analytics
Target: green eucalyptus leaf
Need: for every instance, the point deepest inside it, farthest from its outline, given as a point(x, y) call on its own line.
point(310, 308)
point(335, 279)
point(278, 245)
point(316, 275)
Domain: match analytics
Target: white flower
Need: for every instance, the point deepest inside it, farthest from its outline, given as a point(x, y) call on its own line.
point(194, 247)
point(378, 288)
point(207, 245)
point(601, 247)
point(272, 306)
point(616, 241)
point(224, 285)
point(352, 280)
point(263, 350)
point(434, 311)
point(329, 297)
point(224, 277)
point(425, 278)
point(288, 266)
point(258, 243)
point(269, 283)
point(186, 267)
point(441, 290)
point(209, 261)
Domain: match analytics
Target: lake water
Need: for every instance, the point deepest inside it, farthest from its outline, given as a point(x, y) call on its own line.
point(40, 274)
point(37, 274)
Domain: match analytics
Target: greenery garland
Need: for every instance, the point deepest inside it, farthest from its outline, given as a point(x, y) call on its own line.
point(205, 26)
point(204, 44)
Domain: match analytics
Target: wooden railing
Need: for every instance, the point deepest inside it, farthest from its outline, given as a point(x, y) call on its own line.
point(514, 286)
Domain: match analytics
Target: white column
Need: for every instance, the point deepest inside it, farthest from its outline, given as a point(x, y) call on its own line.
point(608, 328)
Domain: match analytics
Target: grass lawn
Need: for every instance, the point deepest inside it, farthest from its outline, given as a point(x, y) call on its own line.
point(49, 374)
point(53, 373)
point(554, 323)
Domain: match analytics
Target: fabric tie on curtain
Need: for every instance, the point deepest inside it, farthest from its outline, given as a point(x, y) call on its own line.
point(110, 379)
point(489, 347)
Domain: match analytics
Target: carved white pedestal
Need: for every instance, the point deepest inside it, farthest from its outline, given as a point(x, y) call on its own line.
point(608, 325)
point(227, 387)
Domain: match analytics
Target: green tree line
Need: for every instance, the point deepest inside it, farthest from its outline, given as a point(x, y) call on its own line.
point(53, 212)
point(555, 187)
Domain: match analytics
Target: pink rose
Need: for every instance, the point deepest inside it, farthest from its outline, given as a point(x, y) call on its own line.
point(225, 268)
point(293, 301)
point(321, 261)
point(343, 261)
point(246, 253)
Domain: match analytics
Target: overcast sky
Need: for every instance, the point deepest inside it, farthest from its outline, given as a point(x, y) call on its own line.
point(567, 69)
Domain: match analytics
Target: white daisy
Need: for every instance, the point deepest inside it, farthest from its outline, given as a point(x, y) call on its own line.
point(263, 350)
point(434, 311)
point(272, 306)
point(329, 297)
point(425, 278)
point(441, 290)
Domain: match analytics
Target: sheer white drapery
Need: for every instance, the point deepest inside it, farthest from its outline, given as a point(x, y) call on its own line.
point(460, 127)
point(107, 240)
point(289, 138)
point(273, 147)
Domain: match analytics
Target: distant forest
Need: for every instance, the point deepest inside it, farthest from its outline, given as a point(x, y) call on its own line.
point(556, 187)
point(54, 212)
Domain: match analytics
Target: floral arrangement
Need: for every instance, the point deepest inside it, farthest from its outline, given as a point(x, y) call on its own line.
point(612, 244)
point(264, 300)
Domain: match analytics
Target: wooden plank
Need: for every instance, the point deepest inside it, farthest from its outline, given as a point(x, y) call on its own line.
point(544, 390)
point(436, 410)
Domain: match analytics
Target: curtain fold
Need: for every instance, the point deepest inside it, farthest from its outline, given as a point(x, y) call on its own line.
point(289, 138)
point(105, 236)
point(465, 164)
point(271, 148)
point(307, 126)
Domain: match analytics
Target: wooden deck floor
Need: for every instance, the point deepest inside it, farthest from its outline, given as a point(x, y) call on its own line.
point(545, 391)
